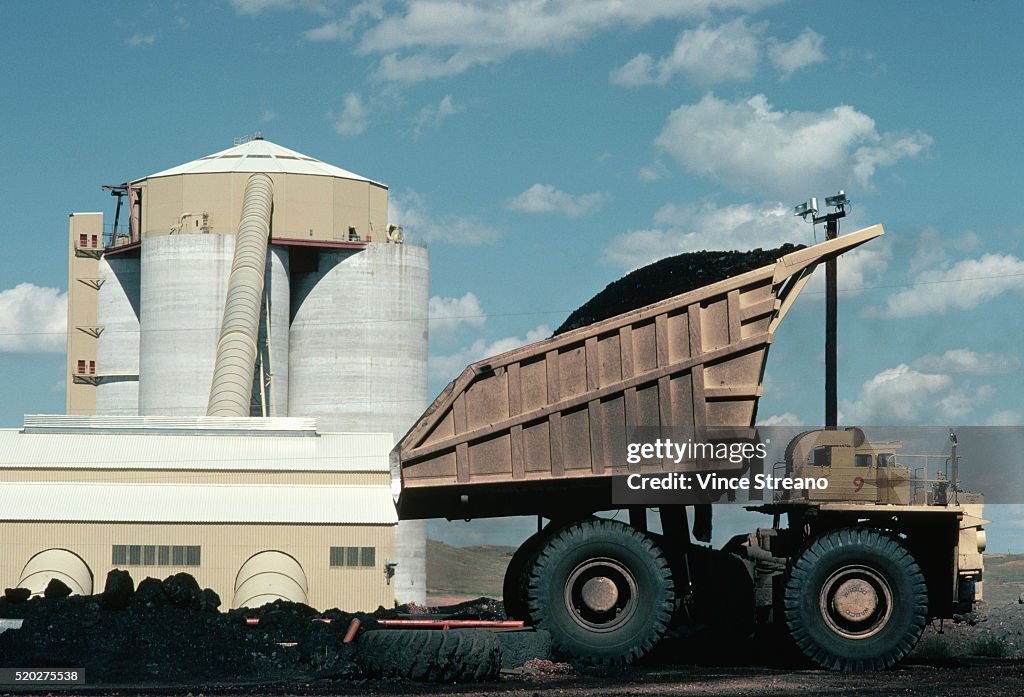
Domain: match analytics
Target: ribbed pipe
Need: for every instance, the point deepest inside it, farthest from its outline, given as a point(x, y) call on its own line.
point(231, 391)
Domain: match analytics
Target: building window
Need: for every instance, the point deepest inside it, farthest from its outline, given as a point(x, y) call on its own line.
point(81, 367)
point(92, 367)
point(156, 555)
point(83, 241)
point(353, 556)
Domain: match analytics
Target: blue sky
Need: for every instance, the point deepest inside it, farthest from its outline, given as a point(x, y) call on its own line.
point(542, 149)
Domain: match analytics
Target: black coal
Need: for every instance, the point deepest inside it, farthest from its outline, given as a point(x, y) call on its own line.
point(668, 277)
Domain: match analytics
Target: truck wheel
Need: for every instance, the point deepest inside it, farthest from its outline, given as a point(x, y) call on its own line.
point(603, 590)
point(514, 587)
point(517, 573)
point(856, 600)
point(430, 655)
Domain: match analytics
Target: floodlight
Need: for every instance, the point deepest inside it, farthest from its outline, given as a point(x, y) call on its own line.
point(837, 201)
point(807, 208)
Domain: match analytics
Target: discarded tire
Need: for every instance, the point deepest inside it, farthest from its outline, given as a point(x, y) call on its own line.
point(856, 600)
point(603, 590)
point(430, 655)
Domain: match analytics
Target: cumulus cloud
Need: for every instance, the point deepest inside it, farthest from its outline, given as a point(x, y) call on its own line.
point(693, 228)
point(344, 29)
point(137, 40)
point(785, 419)
point(905, 395)
point(33, 319)
point(706, 55)
point(802, 51)
point(256, 7)
point(1004, 417)
point(545, 198)
point(448, 366)
point(431, 39)
point(447, 315)
point(410, 211)
point(353, 118)
point(966, 361)
point(432, 115)
point(748, 145)
point(711, 54)
point(964, 285)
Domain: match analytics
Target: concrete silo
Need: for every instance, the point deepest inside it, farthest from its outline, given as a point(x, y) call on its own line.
point(340, 321)
point(117, 347)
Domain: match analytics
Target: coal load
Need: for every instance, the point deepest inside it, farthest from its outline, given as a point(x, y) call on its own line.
point(668, 277)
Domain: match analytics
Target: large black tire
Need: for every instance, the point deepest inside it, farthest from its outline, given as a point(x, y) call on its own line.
point(514, 587)
point(517, 574)
point(430, 655)
point(855, 600)
point(603, 590)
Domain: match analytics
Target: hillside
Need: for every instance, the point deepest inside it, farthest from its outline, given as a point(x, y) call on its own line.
point(1004, 578)
point(461, 573)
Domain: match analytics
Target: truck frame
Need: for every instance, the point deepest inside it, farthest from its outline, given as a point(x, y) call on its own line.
point(542, 431)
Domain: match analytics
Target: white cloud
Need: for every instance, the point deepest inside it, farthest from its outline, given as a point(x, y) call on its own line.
point(440, 38)
point(410, 211)
point(33, 320)
point(545, 198)
point(785, 419)
point(344, 29)
point(712, 54)
point(966, 361)
point(653, 172)
point(255, 7)
point(448, 314)
point(267, 115)
point(353, 118)
point(448, 366)
point(141, 40)
point(963, 286)
point(433, 115)
point(1004, 417)
point(694, 228)
point(748, 145)
point(905, 394)
point(802, 51)
point(706, 55)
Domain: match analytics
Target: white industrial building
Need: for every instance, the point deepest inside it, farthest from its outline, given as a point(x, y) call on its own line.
point(246, 341)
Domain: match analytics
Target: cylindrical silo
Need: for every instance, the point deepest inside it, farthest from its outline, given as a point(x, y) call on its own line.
point(358, 359)
point(117, 348)
point(358, 350)
point(277, 315)
point(184, 285)
point(184, 282)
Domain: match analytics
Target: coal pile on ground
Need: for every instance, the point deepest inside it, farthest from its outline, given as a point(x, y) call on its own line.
point(171, 632)
point(668, 277)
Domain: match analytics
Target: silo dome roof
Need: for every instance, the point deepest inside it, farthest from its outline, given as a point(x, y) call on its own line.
point(259, 155)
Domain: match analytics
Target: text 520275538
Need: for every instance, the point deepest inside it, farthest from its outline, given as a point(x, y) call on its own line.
point(42, 676)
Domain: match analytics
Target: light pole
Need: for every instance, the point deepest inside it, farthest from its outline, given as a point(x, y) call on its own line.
point(806, 210)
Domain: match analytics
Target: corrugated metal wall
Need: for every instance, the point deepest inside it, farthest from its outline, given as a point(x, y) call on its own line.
point(224, 548)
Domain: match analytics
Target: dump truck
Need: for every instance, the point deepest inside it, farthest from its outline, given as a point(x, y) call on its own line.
point(851, 573)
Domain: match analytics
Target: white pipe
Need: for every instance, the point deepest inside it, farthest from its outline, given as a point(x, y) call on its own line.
point(231, 390)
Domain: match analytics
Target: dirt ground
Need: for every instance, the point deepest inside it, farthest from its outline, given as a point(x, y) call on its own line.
point(964, 678)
